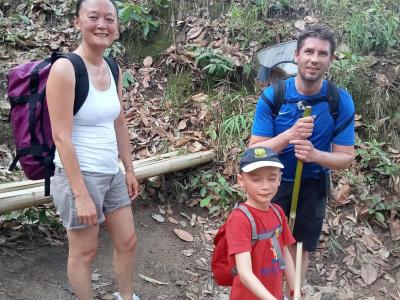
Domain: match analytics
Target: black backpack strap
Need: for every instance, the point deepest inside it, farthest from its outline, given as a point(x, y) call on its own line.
point(81, 77)
point(279, 88)
point(114, 69)
point(333, 100)
point(279, 96)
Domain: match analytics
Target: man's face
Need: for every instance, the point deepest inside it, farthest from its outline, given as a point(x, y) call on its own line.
point(313, 59)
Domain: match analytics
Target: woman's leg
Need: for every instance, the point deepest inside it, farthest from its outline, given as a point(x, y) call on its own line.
point(122, 231)
point(82, 251)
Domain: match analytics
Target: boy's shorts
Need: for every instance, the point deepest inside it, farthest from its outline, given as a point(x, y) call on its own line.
point(108, 191)
point(311, 208)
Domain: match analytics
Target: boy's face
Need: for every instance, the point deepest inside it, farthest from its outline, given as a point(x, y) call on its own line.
point(261, 184)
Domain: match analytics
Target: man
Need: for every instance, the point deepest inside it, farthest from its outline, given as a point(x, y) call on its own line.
point(322, 141)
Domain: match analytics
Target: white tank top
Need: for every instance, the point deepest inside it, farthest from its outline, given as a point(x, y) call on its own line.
point(93, 132)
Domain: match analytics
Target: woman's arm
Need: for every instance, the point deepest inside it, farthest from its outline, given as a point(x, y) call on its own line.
point(60, 95)
point(124, 150)
point(249, 280)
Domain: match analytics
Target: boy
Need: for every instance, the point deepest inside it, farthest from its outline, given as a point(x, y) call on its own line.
point(259, 272)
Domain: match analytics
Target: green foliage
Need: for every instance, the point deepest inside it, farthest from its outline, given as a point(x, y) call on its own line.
point(115, 50)
point(236, 129)
point(367, 25)
point(163, 3)
point(378, 208)
point(353, 73)
point(215, 191)
point(245, 24)
point(178, 90)
point(127, 79)
point(375, 28)
point(138, 14)
point(372, 157)
point(214, 63)
point(235, 117)
point(34, 215)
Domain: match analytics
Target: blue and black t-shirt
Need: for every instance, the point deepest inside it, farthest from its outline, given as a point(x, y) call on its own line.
point(324, 134)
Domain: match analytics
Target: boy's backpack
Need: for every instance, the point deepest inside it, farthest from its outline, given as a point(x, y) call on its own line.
point(222, 266)
point(29, 115)
point(332, 98)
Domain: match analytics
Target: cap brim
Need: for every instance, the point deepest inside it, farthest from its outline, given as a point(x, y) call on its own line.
point(259, 164)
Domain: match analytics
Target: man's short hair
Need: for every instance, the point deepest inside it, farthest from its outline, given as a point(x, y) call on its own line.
point(321, 32)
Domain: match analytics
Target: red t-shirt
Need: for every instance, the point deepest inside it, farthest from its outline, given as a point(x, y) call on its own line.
point(264, 261)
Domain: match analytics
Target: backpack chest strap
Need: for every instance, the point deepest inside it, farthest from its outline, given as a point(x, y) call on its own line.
point(273, 235)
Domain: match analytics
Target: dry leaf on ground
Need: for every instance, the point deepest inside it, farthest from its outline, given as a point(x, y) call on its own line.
point(184, 235)
point(152, 280)
point(158, 218)
point(369, 273)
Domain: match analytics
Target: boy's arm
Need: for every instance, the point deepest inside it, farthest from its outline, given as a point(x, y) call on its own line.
point(249, 280)
point(290, 272)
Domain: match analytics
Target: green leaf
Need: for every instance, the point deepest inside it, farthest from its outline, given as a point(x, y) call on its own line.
point(205, 201)
point(203, 191)
point(25, 19)
point(379, 216)
point(146, 29)
point(127, 79)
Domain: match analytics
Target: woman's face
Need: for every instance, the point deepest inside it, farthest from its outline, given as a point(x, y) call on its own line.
point(97, 22)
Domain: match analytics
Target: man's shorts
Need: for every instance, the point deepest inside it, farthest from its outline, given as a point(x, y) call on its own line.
point(310, 208)
point(108, 191)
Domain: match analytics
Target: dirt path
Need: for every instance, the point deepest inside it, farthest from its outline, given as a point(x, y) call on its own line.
point(31, 271)
point(35, 268)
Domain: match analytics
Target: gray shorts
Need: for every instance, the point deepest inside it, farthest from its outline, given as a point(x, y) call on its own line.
point(108, 192)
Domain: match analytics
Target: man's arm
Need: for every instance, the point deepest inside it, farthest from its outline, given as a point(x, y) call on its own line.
point(249, 280)
point(341, 157)
point(302, 129)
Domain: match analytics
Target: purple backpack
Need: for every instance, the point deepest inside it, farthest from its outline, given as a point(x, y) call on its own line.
point(29, 115)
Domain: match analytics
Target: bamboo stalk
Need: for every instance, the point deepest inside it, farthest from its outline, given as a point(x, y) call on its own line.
point(26, 184)
point(297, 281)
point(34, 195)
point(296, 185)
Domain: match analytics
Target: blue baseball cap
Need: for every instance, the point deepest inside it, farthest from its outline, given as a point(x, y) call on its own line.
point(258, 157)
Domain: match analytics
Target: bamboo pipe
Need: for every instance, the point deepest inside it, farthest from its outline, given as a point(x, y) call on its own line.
point(297, 278)
point(27, 197)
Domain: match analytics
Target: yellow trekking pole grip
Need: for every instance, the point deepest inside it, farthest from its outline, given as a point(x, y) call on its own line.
point(297, 181)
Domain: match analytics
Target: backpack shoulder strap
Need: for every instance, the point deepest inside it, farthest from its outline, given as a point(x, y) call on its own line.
point(276, 211)
point(114, 69)
point(333, 99)
point(279, 96)
point(249, 216)
point(81, 77)
point(279, 88)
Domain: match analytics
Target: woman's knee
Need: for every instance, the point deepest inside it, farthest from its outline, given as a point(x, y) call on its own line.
point(83, 256)
point(128, 244)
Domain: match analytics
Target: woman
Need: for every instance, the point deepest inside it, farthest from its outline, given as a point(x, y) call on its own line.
point(88, 186)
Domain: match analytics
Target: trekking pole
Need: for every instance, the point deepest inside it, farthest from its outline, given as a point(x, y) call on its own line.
point(297, 278)
point(297, 180)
